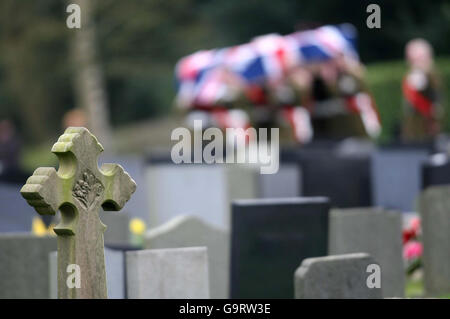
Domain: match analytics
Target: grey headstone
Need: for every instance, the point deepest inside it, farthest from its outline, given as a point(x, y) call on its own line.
point(435, 215)
point(376, 232)
point(53, 274)
point(177, 273)
point(284, 183)
point(205, 191)
point(15, 214)
point(115, 274)
point(335, 277)
point(117, 227)
point(396, 177)
point(190, 231)
point(270, 237)
point(24, 265)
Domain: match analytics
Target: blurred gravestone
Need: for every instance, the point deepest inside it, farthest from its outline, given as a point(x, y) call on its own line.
point(396, 176)
point(335, 277)
point(436, 171)
point(270, 237)
point(190, 231)
point(177, 273)
point(15, 214)
point(376, 232)
point(284, 183)
point(345, 180)
point(115, 274)
point(117, 227)
point(202, 190)
point(435, 214)
point(24, 265)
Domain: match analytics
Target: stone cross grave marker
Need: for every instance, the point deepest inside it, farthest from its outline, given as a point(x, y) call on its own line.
point(79, 189)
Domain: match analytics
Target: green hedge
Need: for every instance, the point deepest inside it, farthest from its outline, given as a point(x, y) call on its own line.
point(384, 80)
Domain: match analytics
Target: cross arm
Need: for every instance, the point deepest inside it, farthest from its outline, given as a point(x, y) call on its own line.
point(41, 190)
point(119, 187)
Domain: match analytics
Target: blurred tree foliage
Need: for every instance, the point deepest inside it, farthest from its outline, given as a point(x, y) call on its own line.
point(139, 42)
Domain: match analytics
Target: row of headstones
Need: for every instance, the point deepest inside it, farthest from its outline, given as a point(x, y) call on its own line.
point(269, 239)
point(298, 228)
point(29, 270)
point(387, 178)
point(390, 178)
point(264, 232)
point(153, 273)
point(176, 273)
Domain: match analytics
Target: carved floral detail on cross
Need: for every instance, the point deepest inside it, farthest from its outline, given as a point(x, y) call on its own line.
point(88, 189)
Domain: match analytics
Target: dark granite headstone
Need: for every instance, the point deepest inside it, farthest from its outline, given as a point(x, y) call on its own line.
point(270, 238)
point(345, 180)
point(436, 171)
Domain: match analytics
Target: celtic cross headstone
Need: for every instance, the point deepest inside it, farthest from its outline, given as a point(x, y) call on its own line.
point(79, 189)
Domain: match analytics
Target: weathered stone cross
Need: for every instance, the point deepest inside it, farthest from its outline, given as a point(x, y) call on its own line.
point(78, 189)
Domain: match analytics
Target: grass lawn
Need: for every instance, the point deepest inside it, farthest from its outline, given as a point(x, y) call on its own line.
point(415, 289)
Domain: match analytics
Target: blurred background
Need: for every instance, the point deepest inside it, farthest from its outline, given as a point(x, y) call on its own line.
point(137, 44)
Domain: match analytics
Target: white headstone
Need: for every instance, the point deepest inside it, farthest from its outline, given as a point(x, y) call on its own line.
point(179, 273)
point(373, 231)
point(191, 231)
point(203, 190)
point(435, 214)
point(336, 277)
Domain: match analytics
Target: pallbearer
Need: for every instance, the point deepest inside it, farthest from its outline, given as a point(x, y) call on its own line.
point(421, 108)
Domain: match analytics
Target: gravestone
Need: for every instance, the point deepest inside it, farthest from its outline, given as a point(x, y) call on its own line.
point(177, 273)
point(345, 180)
point(15, 214)
point(284, 183)
point(115, 274)
point(396, 177)
point(335, 277)
point(201, 190)
point(436, 171)
point(24, 265)
point(190, 231)
point(270, 237)
point(79, 189)
point(117, 227)
point(376, 232)
point(435, 215)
